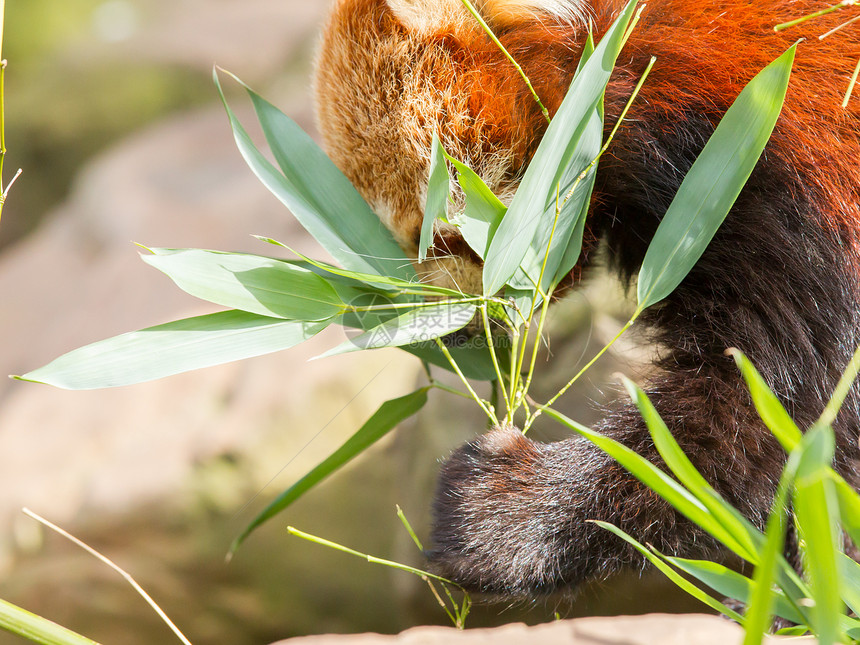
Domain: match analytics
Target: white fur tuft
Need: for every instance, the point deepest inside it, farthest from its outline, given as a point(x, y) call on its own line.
point(572, 11)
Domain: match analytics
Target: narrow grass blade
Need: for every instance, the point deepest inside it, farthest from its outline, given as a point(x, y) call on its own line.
point(843, 388)
point(731, 584)
point(713, 183)
point(673, 575)
point(768, 406)
point(761, 600)
point(438, 191)
point(849, 506)
point(849, 571)
point(817, 514)
point(251, 283)
point(483, 212)
point(411, 285)
point(655, 479)
point(317, 193)
point(175, 347)
point(34, 628)
point(745, 537)
point(421, 324)
point(551, 160)
point(383, 421)
point(473, 357)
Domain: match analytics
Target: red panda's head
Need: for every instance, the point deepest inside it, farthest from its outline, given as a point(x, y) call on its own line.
point(391, 72)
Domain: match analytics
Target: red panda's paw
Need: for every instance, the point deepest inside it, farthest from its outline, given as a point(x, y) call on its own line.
point(502, 523)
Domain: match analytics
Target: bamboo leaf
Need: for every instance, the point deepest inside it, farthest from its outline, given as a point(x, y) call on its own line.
point(383, 421)
point(317, 193)
point(713, 183)
point(175, 347)
point(483, 212)
point(473, 357)
point(745, 537)
point(849, 506)
point(817, 514)
point(670, 573)
point(37, 629)
point(768, 406)
point(655, 479)
point(761, 599)
point(552, 160)
point(421, 324)
point(377, 281)
point(251, 283)
point(731, 584)
point(438, 190)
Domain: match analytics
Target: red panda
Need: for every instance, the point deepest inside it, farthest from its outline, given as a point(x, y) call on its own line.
point(780, 281)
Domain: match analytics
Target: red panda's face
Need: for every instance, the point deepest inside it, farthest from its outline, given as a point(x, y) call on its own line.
point(391, 72)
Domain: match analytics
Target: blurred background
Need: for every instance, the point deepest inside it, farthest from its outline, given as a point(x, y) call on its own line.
point(112, 114)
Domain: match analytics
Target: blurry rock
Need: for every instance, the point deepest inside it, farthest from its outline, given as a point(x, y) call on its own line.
point(652, 629)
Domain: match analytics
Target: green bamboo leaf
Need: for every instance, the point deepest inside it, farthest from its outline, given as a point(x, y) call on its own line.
point(843, 388)
point(761, 599)
point(713, 183)
point(34, 628)
point(317, 193)
point(670, 573)
point(175, 347)
point(655, 479)
point(771, 411)
point(483, 211)
point(849, 506)
point(383, 421)
point(745, 538)
point(552, 160)
point(438, 191)
point(731, 584)
point(473, 357)
point(389, 282)
point(817, 516)
point(251, 283)
point(420, 324)
point(850, 579)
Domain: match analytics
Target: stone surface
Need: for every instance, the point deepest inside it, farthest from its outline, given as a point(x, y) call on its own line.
point(651, 629)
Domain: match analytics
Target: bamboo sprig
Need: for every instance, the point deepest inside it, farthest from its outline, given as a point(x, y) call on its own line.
point(459, 615)
point(4, 191)
point(471, 8)
point(851, 84)
point(814, 14)
point(481, 403)
point(131, 581)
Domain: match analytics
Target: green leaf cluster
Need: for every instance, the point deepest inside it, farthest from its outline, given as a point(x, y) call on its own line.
point(823, 507)
point(528, 247)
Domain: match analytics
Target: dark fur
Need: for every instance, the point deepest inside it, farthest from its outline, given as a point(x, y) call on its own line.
point(511, 514)
point(781, 280)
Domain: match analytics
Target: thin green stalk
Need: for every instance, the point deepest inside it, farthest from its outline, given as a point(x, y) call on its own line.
point(485, 316)
point(447, 388)
point(589, 364)
point(370, 558)
point(34, 628)
point(490, 413)
point(632, 25)
point(408, 305)
point(842, 388)
point(402, 517)
point(515, 342)
point(851, 83)
point(816, 14)
point(131, 581)
point(486, 28)
point(543, 312)
point(839, 27)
